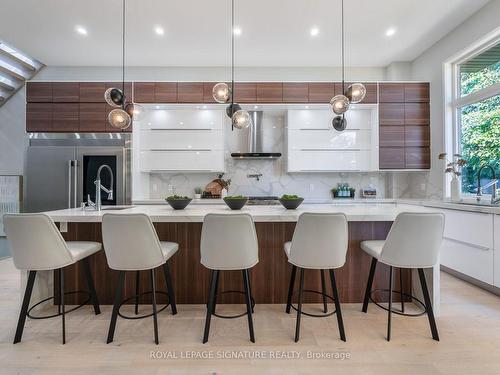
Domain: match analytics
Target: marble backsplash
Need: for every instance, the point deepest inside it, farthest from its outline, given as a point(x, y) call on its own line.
point(275, 180)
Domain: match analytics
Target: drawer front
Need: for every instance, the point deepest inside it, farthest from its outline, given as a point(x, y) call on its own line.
point(182, 119)
point(469, 227)
point(468, 259)
point(322, 119)
point(182, 140)
point(329, 139)
point(194, 161)
point(318, 161)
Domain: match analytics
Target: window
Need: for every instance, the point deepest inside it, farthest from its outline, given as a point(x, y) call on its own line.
point(476, 109)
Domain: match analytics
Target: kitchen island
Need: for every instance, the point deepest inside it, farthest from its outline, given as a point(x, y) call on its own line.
point(269, 278)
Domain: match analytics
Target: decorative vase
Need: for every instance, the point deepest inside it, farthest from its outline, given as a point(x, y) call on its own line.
point(223, 193)
point(456, 189)
point(197, 196)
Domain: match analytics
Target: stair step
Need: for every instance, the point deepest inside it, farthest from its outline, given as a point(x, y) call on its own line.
point(12, 71)
point(7, 84)
point(17, 56)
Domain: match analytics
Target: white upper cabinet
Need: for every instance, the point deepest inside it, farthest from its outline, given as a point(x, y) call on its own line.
point(314, 146)
point(180, 140)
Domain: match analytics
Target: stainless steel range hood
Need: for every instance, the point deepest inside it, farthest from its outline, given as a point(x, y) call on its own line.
point(256, 140)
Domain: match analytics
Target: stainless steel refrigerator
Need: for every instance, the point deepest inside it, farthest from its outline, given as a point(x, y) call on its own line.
point(61, 169)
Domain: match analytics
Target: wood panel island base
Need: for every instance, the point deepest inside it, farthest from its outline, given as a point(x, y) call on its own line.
point(269, 278)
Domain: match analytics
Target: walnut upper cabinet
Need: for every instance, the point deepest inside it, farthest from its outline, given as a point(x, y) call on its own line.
point(245, 92)
point(321, 92)
point(92, 92)
point(144, 92)
point(38, 117)
point(295, 92)
point(165, 92)
point(404, 126)
point(66, 92)
point(39, 92)
point(269, 92)
point(190, 92)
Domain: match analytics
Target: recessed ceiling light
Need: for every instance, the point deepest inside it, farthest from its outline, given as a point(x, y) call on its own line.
point(81, 30)
point(237, 30)
point(390, 31)
point(314, 31)
point(159, 30)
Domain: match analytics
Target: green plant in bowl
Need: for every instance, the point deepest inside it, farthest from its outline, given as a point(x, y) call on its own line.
point(291, 201)
point(235, 202)
point(178, 202)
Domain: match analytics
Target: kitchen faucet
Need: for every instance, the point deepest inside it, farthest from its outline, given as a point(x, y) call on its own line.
point(493, 182)
point(99, 187)
point(257, 176)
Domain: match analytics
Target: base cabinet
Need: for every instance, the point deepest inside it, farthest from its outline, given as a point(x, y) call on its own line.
point(468, 245)
point(496, 255)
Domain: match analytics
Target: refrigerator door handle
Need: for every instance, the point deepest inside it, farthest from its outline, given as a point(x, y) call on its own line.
point(70, 169)
point(75, 184)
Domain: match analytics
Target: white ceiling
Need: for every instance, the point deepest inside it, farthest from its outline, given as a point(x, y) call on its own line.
point(274, 32)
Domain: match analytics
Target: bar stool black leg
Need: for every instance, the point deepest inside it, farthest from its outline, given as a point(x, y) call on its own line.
point(250, 289)
point(91, 286)
point(137, 291)
point(248, 300)
point(299, 305)
point(63, 309)
point(210, 306)
point(323, 289)
point(290, 290)
point(216, 292)
point(369, 285)
point(428, 305)
point(338, 310)
point(390, 305)
point(116, 307)
point(25, 306)
point(155, 315)
point(170, 288)
point(401, 290)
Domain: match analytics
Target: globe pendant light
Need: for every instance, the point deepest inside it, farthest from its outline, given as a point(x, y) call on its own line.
point(121, 117)
point(355, 93)
point(222, 93)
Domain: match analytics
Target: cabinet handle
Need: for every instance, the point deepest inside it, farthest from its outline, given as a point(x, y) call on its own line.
point(467, 243)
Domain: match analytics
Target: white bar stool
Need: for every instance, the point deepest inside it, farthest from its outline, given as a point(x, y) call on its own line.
point(228, 243)
point(413, 242)
point(319, 242)
point(131, 244)
point(37, 245)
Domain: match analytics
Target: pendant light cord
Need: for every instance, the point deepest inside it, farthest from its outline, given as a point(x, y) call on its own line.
point(232, 52)
point(123, 49)
point(342, 44)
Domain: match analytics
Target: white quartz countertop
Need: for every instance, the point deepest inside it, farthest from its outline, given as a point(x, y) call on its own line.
point(196, 213)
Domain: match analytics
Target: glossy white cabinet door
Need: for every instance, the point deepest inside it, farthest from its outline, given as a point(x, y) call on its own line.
point(329, 139)
point(182, 119)
point(181, 140)
point(468, 244)
point(317, 161)
point(361, 117)
point(187, 161)
point(497, 251)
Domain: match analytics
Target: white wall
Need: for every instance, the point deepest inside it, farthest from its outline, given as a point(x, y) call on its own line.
point(12, 134)
point(429, 67)
point(55, 73)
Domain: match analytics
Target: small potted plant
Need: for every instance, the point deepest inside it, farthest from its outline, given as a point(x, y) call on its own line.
point(235, 202)
point(178, 202)
point(197, 192)
point(291, 202)
point(454, 167)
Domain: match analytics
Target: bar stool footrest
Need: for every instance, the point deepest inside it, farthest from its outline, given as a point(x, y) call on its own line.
point(311, 314)
point(89, 297)
point(397, 311)
point(134, 317)
point(233, 316)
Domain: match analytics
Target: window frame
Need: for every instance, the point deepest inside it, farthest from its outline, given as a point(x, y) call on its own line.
point(454, 102)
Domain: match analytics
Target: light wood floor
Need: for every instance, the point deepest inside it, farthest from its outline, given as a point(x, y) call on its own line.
point(469, 327)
